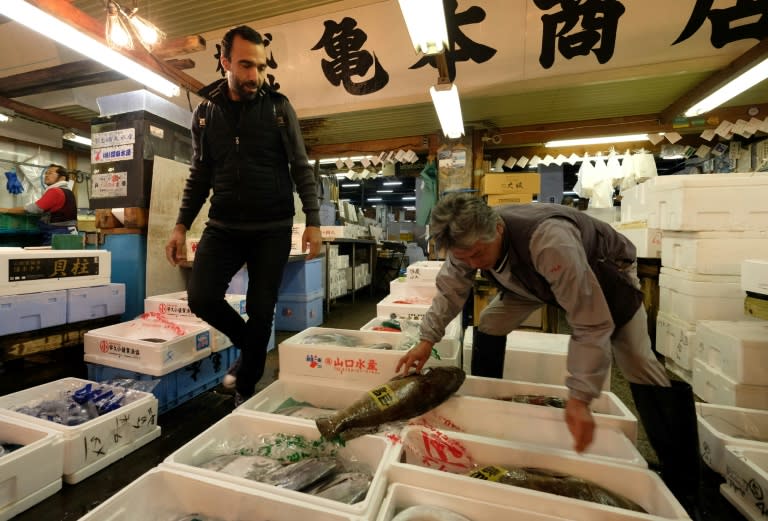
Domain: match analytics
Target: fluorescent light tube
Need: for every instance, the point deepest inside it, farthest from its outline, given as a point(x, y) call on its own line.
point(373, 199)
point(596, 140)
point(71, 136)
point(383, 191)
point(45, 24)
point(425, 20)
point(350, 185)
point(448, 108)
point(733, 88)
point(392, 183)
point(408, 198)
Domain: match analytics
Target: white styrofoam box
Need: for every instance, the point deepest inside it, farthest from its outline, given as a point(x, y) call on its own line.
point(32, 311)
point(359, 363)
point(176, 304)
point(738, 501)
point(97, 443)
point(399, 497)
point(712, 202)
point(647, 241)
point(451, 342)
point(693, 297)
point(403, 287)
point(713, 386)
point(746, 477)
point(637, 201)
point(453, 450)
point(531, 357)
point(607, 409)
point(423, 270)
point(31, 473)
point(371, 451)
point(739, 350)
point(168, 493)
point(712, 253)
point(754, 276)
point(147, 346)
point(676, 339)
point(685, 375)
point(721, 425)
point(407, 308)
point(95, 302)
point(32, 271)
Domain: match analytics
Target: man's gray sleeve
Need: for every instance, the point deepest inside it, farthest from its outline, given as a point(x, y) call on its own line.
point(454, 283)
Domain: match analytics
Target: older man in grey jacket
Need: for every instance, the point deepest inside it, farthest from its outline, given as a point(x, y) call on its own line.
point(547, 253)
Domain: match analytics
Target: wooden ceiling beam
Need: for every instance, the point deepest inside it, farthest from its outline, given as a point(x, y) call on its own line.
point(746, 61)
point(45, 116)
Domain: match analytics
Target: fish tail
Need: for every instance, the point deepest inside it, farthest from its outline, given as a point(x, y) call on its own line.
point(327, 427)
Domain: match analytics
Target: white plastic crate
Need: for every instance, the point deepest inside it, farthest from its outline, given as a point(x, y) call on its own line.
point(399, 497)
point(676, 339)
point(168, 493)
point(712, 253)
point(714, 387)
point(450, 343)
point(97, 443)
point(32, 311)
point(647, 241)
point(32, 271)
point(693, 297)
point(721, 425)
point(95, 302)
point(423, 270)
point(403, 307)
point(403, 287)
point(531, 357)
point(371, 451)
point(412, 464)
point(148, 348)
point(352, 363)
point(746, 477)
point(31, 473)
point(739, 350)
point(713, 202)
point(754, 276)
point(607, 409)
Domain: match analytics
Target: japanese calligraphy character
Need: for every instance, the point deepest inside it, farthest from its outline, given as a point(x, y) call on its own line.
point(343, 42)
point(599, 23)
point(80, 267)
point(59, 268)
point(725, 22)
point(460, 47)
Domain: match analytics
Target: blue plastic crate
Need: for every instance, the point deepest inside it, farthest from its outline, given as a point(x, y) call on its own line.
point(302, 278)
point(179, 386)
point(298, 312)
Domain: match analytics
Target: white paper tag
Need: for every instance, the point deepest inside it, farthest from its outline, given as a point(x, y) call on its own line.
point(739, 127)
point(400, 155)
point(339, 164)
point(522, 162)
point(764, 125)
point(734, 150)
point(548, 160)
point(702, 151)
point(708, 134)
point(349, 163)
point(753, 125)
point(673, 137)
point(509, 163)
point(655, 138)
point(499, 164)
point(560, 159)
point(723, 128)
point(535, 160)
point(366, 162)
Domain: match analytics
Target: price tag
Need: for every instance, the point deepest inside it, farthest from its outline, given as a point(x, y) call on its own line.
point(384, 397)
point(489, 473)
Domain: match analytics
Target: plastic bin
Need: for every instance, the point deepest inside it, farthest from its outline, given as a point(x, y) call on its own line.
point(721, 425)
point(302, 277)
point(95, 302)
point(297, 312)
point(746, 480)
point(32, 311)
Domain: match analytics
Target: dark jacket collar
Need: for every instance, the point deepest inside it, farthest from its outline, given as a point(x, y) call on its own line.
point(217, 91)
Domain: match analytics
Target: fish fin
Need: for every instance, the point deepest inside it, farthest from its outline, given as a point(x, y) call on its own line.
point(327, 427)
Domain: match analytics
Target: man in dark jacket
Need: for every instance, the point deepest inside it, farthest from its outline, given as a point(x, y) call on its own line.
point(548, 253)
point(248, 150)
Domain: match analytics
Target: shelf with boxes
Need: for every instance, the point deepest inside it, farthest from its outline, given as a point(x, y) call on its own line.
point(344, 275)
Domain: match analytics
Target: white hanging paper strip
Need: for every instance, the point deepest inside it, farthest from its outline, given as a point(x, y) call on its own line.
point(673, 137)
point(724, 128)
point(560, 159)
point(574, 158)
point(522, 162)
point(655, 138)
point(499, 164)
point(534, 162)
point(509, 163)
point(708, 134)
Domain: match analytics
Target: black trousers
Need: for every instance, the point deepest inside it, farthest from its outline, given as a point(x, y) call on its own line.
point(220, 254)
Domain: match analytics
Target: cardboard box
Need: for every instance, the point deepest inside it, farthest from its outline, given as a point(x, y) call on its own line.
point(511, 184)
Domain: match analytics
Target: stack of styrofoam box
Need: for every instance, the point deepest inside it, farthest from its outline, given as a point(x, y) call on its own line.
point(97, 443)
point(423, 270)
point(32, 472)
point(369, 451)
point(754, 277)
point(531, 357)
point(362, 275)
point(338, 267)
point(710, 224)
point(25, 271)
point(403, 307)
point(746, 480)
point(647, 241)
point(95, 302)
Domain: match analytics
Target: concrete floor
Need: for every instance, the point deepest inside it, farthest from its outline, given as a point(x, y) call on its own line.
point(186, 421)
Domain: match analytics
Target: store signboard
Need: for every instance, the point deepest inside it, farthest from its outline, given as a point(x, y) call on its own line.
point(52, 267)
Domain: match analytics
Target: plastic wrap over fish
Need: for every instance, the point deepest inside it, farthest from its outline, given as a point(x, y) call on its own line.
point(428, 513)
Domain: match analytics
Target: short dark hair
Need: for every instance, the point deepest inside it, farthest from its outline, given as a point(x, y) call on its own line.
point(60, 170)
point(244, 32)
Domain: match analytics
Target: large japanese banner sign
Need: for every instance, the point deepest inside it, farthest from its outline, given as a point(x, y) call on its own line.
point(359, 56)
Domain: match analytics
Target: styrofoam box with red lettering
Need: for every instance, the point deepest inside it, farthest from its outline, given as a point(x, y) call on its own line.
point(713, 386)
point(423, 270)
point(168, 493)
point(754, 276)
point(451, 342)
point(693, 297)
point(712, 202)
point(150, 346)
point(739, 350)
point(485, 417)
point(721, 425)
point(746, 480)
point(176, 306)
point(607, 409)
point(676, 339)
point(400, 497)
point(370, 451)
point(403, 287)
point(32, 472)
point(459, 454)
point(531, 357)
point(403, 307)
point(712, 253)
point(647, 241)
point(330, 360)
point(97, 443)
point(32, 271)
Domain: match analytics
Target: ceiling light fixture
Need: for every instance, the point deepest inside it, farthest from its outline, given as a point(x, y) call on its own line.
point(392, 183)
point(117, 34)
point(425, 20)
point(71, 136)
point(45, 24)
point(596, 140)
point(445, 97)
point(733, 88)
